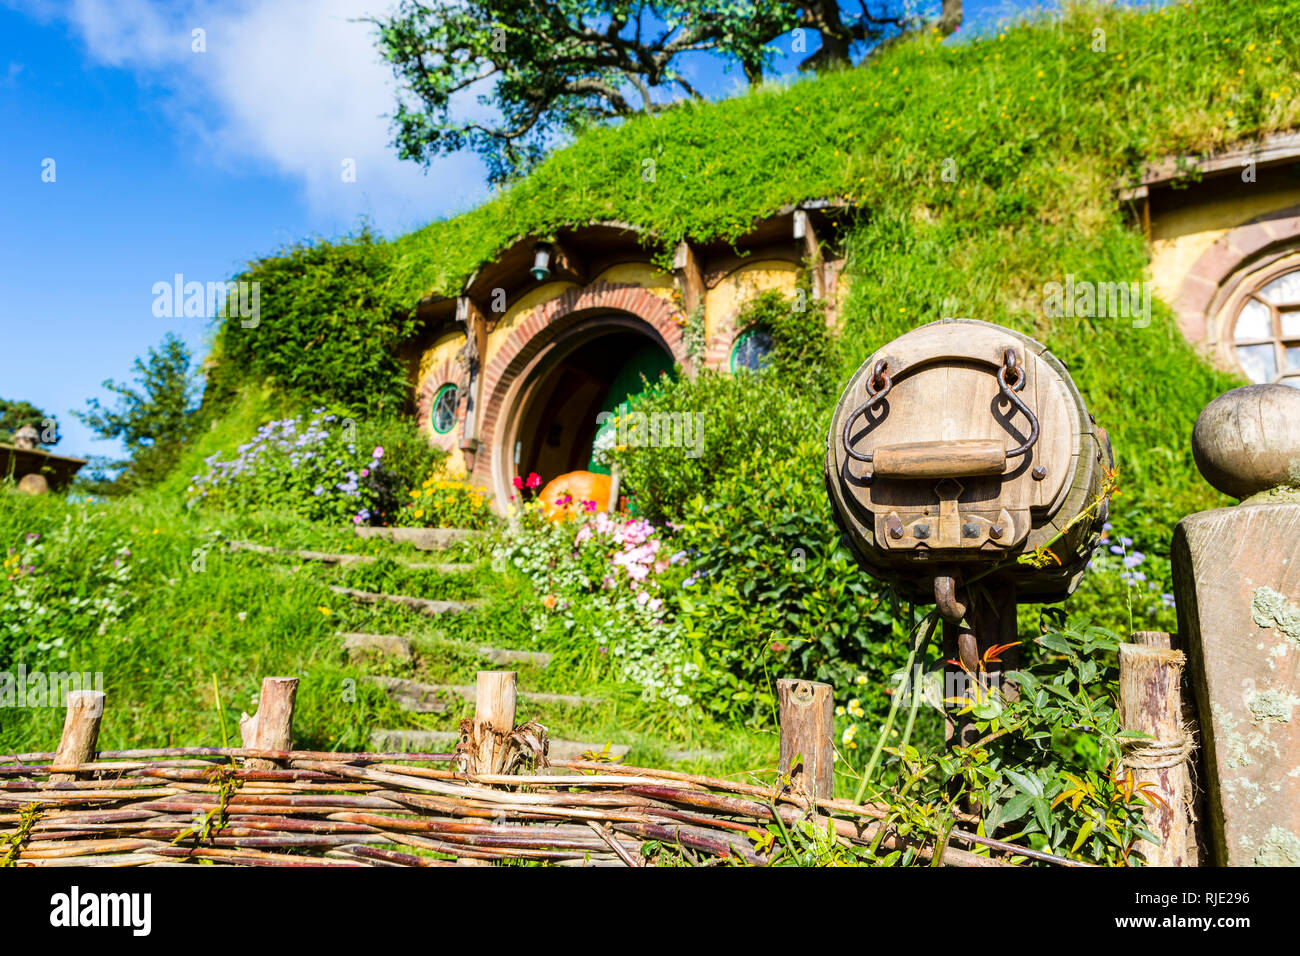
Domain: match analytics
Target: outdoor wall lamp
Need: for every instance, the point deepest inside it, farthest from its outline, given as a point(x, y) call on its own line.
point(541, 261)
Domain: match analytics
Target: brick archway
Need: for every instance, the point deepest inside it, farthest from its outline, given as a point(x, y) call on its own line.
point(1212, 279)
point(547, 321)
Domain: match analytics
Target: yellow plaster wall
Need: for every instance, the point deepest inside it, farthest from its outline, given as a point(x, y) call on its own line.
point(1179, 236)
point(443, 349)
point(639, 273)
point(749, 280)
point(517, 311)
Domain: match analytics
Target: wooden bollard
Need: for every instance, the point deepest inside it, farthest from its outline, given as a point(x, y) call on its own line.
point(807, 715)
point(1161, 639)
point(80, 732)
point(1150, 702)
point(494, 718)
point(271, 728)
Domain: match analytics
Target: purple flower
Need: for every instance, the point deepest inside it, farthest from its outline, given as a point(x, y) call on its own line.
point(1134, 559)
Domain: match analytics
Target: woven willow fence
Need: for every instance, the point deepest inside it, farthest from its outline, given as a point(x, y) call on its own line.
point(266, 805)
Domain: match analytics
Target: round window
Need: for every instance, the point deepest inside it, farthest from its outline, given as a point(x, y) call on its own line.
point(443, 414)
point(1266, 335)
point(753, 350)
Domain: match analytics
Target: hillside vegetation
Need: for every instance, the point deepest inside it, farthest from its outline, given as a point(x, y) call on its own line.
point(1039, 126)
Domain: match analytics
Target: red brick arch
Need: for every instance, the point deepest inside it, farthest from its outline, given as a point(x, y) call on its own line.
point(445, 373)
point(1246, 248)
point(554, 316)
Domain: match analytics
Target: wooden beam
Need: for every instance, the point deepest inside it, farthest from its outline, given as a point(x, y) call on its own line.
point(688, 277)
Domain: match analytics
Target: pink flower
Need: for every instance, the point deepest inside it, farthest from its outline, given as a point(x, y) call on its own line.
point(534, 479)
point(365, 472)
point(378, 452)
point(519, 483)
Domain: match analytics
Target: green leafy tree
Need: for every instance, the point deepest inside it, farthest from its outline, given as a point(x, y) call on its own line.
point(557, 66)
point(154, 420)
point(16, 414)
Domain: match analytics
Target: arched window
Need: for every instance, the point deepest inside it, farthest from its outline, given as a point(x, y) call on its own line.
point(753, 350)
point(443, 414)
point(1266, 333)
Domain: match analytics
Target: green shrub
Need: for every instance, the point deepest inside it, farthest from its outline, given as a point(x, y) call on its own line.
point(744, 417)
point(326, 468)
point(772, 593)
point(328, 330)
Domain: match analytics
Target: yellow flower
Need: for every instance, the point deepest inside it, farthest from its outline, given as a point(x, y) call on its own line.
point(419, 513)
point(324, 610)
point(414, 493)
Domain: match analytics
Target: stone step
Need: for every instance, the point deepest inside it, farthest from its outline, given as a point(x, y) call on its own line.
point(422, 539)
point(390, 645)
point(399, 646)
point(423, 605)
point(424, 741)
point(411, 695)
point(346, 560)
point(469, 692)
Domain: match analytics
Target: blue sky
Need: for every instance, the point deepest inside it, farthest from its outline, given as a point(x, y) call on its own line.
point(167, 160)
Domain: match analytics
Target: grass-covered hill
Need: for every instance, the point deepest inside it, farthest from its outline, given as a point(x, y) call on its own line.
point(1041, 120)
point(1039, 125)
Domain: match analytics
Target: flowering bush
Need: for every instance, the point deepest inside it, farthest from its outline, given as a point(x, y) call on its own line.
point(611, 579)
point(70, 582)
point(311, 466)
point(446, 502)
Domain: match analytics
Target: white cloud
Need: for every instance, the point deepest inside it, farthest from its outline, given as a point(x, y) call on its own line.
point(296, 85)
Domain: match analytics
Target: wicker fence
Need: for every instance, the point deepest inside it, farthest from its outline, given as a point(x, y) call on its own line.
point(495, 798)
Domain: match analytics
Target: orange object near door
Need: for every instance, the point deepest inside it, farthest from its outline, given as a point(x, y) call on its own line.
point(568, 494)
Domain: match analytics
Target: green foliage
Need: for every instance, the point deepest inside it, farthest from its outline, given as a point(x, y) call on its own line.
point(329, 330)
point(1045, 767)
point(326, 468)
point(155, 420)
point(745, 418)
point(556, 68)
point(444, 502)
point(15, 414)
point(771, 590)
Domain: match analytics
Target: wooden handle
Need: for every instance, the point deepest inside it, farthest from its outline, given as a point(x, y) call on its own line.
point(965, 458)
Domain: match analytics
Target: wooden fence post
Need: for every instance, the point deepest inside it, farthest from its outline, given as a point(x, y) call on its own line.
point(494, 718)
point(271, 728)
point(807, 715)
point(1150, 702)
point(80, 732)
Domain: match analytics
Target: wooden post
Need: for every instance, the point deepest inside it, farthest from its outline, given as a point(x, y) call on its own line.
point(80, 732)
point(807, 714)
point(1161, 639)
point(271, 728)
point(1150, 702)
point(494, 718)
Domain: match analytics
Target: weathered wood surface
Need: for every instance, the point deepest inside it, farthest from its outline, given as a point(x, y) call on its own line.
point(422, 539)
point(85, 708)
point(495, 696)
point(560, 750)
point(945, 391)
point(1237, 584)
point(807, 716)
point(423, 605)
point(271, 728)
point(1150, 702)
point(959, 458)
